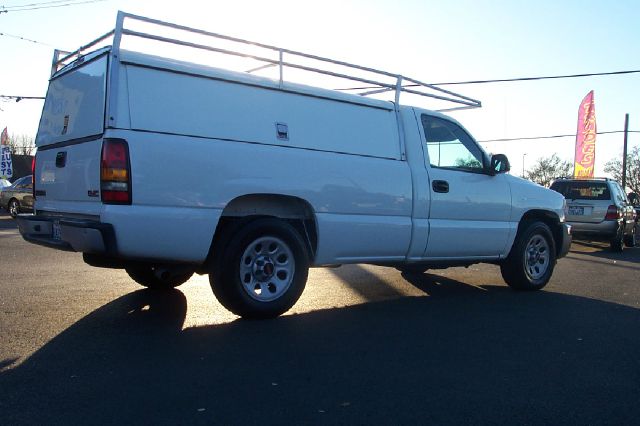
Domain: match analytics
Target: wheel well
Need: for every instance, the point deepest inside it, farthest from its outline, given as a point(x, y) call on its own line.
point(550, 219)
point(247, 208)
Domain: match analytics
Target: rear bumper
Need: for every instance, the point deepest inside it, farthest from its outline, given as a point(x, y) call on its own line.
point(565, 244)
point(79, 235)
point(604, 231)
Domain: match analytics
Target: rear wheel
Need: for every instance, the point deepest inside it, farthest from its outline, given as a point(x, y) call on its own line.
point(630, 239)
point(158, 278)
point(262, 271)
point(530, 263)
point(14, 207)
point(616, 243)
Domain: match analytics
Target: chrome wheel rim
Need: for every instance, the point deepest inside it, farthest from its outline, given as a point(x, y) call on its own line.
point(536, 257)
point(13, 208)
point(267, 268)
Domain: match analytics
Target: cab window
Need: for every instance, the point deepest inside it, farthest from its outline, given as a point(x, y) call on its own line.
point(449, 146)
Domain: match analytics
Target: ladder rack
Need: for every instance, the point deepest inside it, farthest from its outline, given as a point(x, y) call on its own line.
point(376, 81)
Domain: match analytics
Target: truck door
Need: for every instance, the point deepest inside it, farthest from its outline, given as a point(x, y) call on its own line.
point(470, 209)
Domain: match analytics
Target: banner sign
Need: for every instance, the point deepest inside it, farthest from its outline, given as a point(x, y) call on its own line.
point(586, 138)
point(6, 169)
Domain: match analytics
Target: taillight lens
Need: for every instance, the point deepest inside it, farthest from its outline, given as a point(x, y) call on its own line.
point(115, 172)
point(613, 213)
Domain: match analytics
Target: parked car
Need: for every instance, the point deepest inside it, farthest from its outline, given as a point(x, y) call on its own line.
point(4, 183)
point(598, 209)
point(18, 197)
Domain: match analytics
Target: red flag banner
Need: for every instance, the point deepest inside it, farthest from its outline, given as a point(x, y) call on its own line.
point(586, 138)
point(4, 138)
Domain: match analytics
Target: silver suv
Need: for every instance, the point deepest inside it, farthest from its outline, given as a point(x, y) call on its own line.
point(598, 209)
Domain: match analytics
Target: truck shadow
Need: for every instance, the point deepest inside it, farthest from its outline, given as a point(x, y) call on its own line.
point(485, 355)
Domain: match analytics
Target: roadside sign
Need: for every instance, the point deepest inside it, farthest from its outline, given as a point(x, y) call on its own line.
point(6, 167)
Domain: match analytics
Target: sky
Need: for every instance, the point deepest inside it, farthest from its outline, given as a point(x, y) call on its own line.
point(431, 41)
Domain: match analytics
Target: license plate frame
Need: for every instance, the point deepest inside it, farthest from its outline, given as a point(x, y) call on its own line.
point(576, 211)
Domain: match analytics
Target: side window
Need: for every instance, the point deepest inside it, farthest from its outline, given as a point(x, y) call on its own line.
point(449, 146)
point(18, 184)
point(619, 193)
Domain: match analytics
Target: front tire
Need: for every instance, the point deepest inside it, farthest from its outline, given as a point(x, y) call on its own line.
point(262, 271)
point(14, 208)
point(157, 278)
point(530, 263)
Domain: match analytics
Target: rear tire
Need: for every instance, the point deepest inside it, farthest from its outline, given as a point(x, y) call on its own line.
point(412, 269)
point(262, 269)
point(617, 243)
point(530, 263)
point(630, 240)
point(157, 278)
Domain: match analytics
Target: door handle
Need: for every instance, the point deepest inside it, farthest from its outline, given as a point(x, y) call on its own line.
point(61, 159)
point(441, 186)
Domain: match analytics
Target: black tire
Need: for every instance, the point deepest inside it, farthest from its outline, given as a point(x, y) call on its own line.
point(262, 269)
point(412, 269)
point(157, 278)
point(630, 240)
point(616, 243)
point(530, 263)
point(13, 207)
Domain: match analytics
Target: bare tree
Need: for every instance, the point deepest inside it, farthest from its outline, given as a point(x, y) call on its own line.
point(614, 167)
point(21, 144)
point(546, 169)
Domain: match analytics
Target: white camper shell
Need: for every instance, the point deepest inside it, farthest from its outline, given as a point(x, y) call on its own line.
point(167, 167)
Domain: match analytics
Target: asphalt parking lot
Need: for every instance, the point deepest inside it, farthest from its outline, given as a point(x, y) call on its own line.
point(364, 345)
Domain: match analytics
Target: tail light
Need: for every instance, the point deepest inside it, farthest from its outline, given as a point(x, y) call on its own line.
point(115, 172)
point(33, 177)
point(613, 213)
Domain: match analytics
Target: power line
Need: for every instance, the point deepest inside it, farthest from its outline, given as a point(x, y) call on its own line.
point(506, 80)
point(45, 5)
point(24, 39)
point(550, 77)
point(573, 135)
point(15, 6)
point(19, 98)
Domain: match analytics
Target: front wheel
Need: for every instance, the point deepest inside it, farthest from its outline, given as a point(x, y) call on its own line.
point(158, 278)
point(14, 208)
point(530, 263)
point(262, 271)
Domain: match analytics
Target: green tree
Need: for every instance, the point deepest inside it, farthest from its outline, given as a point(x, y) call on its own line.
point(546, 169)
point(468, 163)
point(614, 168)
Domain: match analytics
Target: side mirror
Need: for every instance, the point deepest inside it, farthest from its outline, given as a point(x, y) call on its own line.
point(499, 164)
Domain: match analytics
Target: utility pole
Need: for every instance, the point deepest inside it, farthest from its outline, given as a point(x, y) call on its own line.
point(624, 152)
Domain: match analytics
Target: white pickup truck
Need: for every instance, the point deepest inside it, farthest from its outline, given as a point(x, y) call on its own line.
point(165, 168)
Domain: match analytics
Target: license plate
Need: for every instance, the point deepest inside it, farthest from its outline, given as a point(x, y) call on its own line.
point(56, 231)
point(576, 211)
